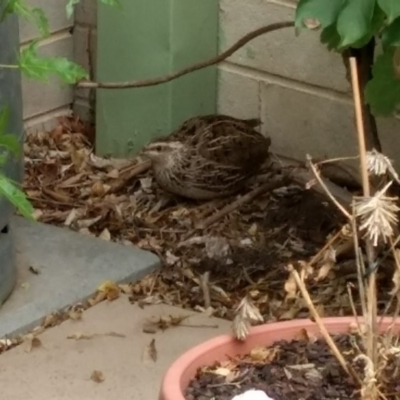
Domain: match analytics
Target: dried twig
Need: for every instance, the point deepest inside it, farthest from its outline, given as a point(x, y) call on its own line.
point(127, 176)
point(306, 296)
point(327, 191)
point(329, 243)
point(267, 187)
point(192, 68)
point(205, 287)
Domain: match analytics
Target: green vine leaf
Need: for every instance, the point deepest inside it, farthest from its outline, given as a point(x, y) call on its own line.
point(391, 34)
point(354, 22)
point(382, 92)
point(40, 68)
point(391, 9)
point(4, 117)
point(10, 142)
point(72, 3)
point(330, 37)
point(324, 11)
point(16, 196)
point(33, 14)
point(70, 7)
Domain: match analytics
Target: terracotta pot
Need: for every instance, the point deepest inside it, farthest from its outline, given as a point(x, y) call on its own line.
point(185, 367)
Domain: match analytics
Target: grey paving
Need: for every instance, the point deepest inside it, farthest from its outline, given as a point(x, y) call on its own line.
point(71, 266)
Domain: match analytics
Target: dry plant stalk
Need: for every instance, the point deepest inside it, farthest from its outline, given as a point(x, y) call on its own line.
point(378, 213)
point(372, 315)
point(306, 296)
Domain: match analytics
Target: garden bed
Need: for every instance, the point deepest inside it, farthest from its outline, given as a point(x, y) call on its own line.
point(245, 252)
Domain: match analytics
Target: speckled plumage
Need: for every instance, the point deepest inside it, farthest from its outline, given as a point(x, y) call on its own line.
point(214, 157)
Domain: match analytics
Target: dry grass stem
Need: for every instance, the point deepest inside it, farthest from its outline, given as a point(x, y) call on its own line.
point(328, 244)
point(322, 184)
point(322, 328)
point(337, 159)
point(205, 287)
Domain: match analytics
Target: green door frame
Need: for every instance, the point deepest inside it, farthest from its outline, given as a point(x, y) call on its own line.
point(145, 39)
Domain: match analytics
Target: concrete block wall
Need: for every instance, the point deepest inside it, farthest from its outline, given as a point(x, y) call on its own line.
point(43, 102)
point(85, 37)
point(293, 84)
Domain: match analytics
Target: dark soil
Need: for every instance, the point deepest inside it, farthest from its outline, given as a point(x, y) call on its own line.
point(295, 370)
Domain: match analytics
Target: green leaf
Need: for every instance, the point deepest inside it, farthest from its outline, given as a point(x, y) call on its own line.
point(4, 117)
point(16, 196)
point(70, 7)
point(330, 37)
point(382, 92)
point(354, 22)
point(391, 9)
point(325, 11)
point(3, 158)
point(111, 2)
point(72, 3)
point(34, 15)
point(391, 34)
point(41, 68)
point(10, 142)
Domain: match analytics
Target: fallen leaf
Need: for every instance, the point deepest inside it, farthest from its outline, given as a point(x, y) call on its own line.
point(105, 235)
point(263, 354)
point(305, 335)
point(110, 289)
point(34, 270)
point(97, 376)
point(75, 315)
point(51, 320)
point(31, 342)
point(290, 287)
point(80, 336)
point(125, 288)
point(150, 352)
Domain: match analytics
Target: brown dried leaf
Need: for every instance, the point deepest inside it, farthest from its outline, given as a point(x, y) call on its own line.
point(125, 288)
point(291, 287)
point(31, 342)
point(75, 315)
point(52, 320)
point(307, 336)
point(80, 336)
point(97, 376)
point(110, 289)
point(150, 352)
point(105, 235)
point(263, 354)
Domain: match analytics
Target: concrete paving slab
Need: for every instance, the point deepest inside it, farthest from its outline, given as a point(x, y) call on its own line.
point(71, 266)
point(61, 368)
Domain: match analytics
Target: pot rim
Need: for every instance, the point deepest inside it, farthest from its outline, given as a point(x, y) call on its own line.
point(171, 383)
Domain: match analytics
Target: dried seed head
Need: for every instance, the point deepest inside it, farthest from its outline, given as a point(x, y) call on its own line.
point(379, 164)
point(378, 214)
point(240, 327)
point(246, 312)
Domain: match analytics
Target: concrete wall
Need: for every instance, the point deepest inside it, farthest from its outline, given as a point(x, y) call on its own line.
point(292, 83)
point(85, 35)
point(45, 101)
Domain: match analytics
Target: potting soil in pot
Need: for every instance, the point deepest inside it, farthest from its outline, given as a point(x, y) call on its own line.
point(301, 369)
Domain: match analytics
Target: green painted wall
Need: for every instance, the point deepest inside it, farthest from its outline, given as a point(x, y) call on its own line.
point(148, 39)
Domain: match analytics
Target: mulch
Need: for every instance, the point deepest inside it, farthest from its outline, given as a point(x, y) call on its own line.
point(290, 370)
point(246, 252)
